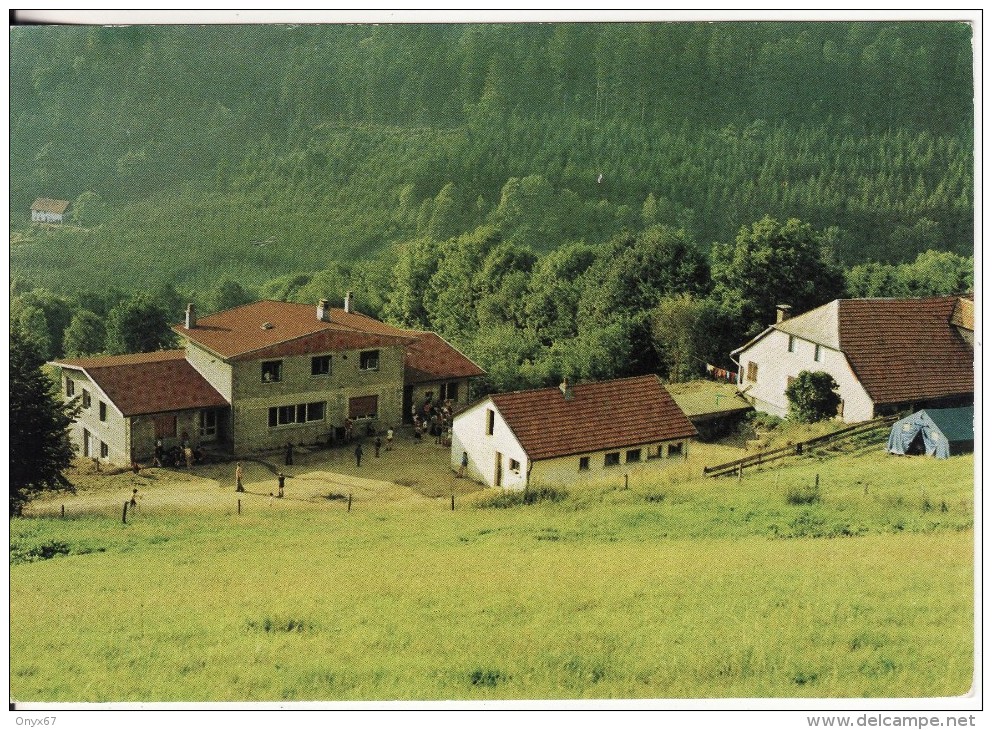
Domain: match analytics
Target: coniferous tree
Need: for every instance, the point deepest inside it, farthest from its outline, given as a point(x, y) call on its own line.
point(40, 449)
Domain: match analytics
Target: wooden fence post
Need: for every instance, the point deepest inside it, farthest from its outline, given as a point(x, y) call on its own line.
point(452, 502)
point(349, 501)
point(239, 506)
point(817, 484)
point(626, 481)
point(63, 511)
point(124, 514)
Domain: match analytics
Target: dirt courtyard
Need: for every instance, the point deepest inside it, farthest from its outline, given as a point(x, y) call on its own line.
point(411, 472)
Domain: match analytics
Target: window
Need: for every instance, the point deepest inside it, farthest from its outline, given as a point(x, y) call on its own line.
point(364, 406)
point(165, 427)
point(449, 391)
point(514, 465)
point(70, 387)
point(792, 343)
point(296, 413)
point(752, 372)
point(208, 423)
point(674, 450)
point(104, 450)
point(818, 353)
point(633, 456)
point(490, 421)
point(86, 398)
point(369, 360)
point(320, 365)
point(103, 411)
point(612, 459)
point(315, 411)
point(583, 463)
point(272, 371)
point(286, 415)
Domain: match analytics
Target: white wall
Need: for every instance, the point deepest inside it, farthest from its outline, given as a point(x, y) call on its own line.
point(115, 431)
point(776, 364)
point(469, 435)
point(565, 471)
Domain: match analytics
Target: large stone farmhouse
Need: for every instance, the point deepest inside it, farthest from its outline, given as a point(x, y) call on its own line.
point(570, 434)
point(46, 210)
point(260, 376)
point(887, 355)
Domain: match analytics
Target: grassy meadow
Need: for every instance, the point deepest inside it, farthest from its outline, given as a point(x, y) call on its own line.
point(691, 588)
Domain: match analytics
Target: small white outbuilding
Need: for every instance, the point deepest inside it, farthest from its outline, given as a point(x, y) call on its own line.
point(559, 436)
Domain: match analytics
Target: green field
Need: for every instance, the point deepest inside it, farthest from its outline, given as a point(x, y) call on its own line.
point(693, 589)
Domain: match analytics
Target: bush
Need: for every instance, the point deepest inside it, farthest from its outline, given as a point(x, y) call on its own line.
point(812, 397)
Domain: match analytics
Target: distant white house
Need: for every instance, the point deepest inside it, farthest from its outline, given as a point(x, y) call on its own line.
point(557, 436)
point(887, 355)
point(47, 210)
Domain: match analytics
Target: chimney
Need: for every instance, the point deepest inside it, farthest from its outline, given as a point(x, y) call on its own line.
point(190, 316)
point(324, 310)
point(349, 302)
point(782, 312)
point(566, 389)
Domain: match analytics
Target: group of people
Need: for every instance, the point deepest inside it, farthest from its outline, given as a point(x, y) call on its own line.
point(434, 421)
point(182, 455)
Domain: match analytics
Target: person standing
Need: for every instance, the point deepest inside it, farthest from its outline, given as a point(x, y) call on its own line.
point(282, 484)
point(378, 445)
point(389, 440)
point(358, 454)
point(238, 474)
point(461, 469)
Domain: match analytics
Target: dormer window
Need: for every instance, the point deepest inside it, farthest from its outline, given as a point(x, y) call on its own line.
point(792, 343)
point(369, 360)
point(818, 353)
point(272, 371)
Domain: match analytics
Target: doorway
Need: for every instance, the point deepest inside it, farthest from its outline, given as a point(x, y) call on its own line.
point(498, 480)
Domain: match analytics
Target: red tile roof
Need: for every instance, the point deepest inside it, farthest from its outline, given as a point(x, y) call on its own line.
point(430, 358)
point(151, 382)
point(238, 334)
point(906, 350)
point(48, 205)
point(276, 329)
point(613, 414)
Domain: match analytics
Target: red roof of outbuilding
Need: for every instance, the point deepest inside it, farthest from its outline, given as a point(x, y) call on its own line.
point(906, 349)
point(612, 414)
point(150, 382)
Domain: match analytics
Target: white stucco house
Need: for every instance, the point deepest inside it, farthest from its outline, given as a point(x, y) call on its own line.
point(887, 355)
point(569, 434)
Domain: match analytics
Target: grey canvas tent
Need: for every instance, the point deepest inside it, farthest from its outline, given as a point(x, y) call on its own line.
point(938, 432)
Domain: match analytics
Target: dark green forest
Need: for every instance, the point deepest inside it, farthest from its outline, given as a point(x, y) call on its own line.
point(534, 192)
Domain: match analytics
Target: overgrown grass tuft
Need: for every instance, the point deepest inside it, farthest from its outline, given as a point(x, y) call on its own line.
point(514, 498)
point(804, 494)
